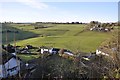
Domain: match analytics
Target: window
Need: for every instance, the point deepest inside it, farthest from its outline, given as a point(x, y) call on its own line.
point(12, 69)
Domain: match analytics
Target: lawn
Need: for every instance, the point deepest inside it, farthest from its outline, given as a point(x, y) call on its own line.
point(27, 57)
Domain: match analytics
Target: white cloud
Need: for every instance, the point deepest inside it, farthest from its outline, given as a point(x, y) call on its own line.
point(33, 3)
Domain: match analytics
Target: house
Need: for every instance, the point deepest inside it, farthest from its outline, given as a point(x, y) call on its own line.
point(102, 51)
point(107, 29)
point(97, 27)
point(54, 50)
point(29, 47)
point(43, 50)
point(68, 53)
point(9, 65)
point(91, 29)
point(24, 51)
point(9, 48)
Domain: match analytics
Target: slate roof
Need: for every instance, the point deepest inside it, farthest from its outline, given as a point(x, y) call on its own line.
point(5, 56)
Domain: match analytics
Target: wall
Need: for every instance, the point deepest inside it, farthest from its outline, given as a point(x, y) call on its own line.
point(12, 63)
point(1, 72)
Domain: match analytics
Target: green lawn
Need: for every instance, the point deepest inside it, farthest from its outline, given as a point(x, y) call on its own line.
point(27, 57)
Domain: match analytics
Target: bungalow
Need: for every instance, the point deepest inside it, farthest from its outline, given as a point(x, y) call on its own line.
point(43, 50)
point(102, 51)
point(24, 51)
point(99, 28)
point(68, 53)
point(10, 64)
point(54, 50)
point(9, 48)
point(107, 29)
point(65, 52)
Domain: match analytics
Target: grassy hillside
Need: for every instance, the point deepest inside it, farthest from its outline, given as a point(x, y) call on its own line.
point(70, 36)
point(21, 35)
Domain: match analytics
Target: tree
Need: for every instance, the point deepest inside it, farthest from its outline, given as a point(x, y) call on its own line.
point(57, 67)
point(113, 47)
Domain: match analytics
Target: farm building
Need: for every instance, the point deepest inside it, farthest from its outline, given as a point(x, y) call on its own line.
point(66, 52)
point(9, 65)
point(43, 50)
point(102, 51)
point(9, 48)
point(99, 28)
point(54, 50)
point(24, 51)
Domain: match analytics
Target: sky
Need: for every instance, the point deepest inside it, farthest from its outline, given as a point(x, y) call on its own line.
point(59, 11)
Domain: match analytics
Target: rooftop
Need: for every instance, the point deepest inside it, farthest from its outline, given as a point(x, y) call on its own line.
point(5, 56)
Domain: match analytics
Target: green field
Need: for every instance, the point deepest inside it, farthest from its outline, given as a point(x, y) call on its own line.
point(70, 36)
point(27, 57)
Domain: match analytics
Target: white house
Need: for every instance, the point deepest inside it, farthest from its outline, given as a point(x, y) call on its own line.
point(44, 50)
point(49, 50)
point(10, 65)
point(54, 50)
point(69, 53)
point(91, 29)
point(106, 29)
point(101, 52)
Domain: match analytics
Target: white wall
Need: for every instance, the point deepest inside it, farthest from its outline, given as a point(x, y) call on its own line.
point(1, 72)
point(98, 52)
point(102, 53)
point(43, 50)
point(12, 63)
